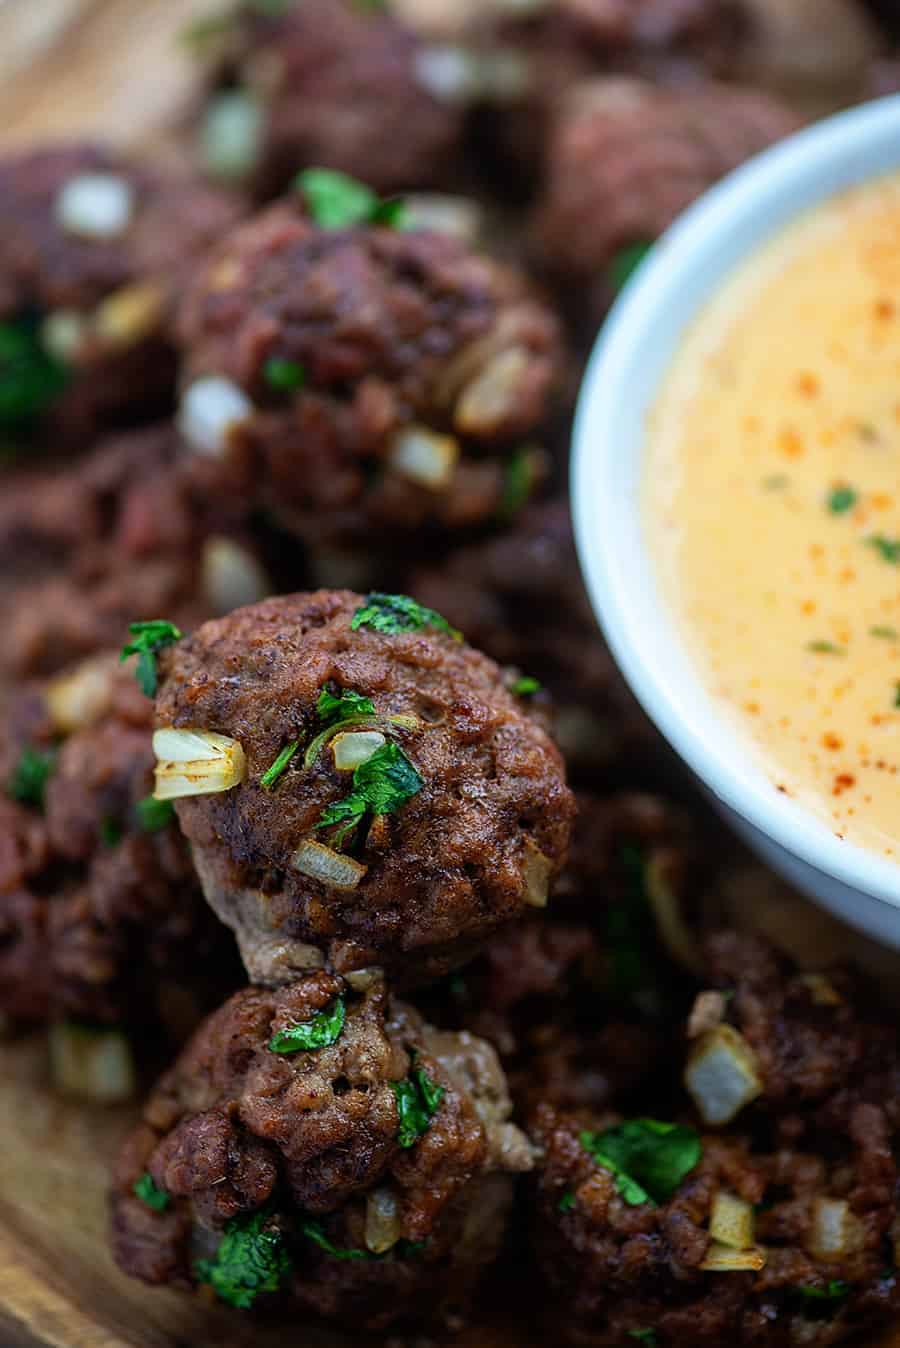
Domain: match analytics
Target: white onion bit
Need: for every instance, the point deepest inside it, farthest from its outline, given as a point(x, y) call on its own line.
point(721, 1075)
point(724, 1259)
point(424, 457)
point(232, 135)
point(211, 408)
point(93, 1064)
point(834, 1230)
point(62, 334)
point(196, 763)
point(383, 1224)
point(536, 874)
point(78, 698)
point(449, 74)
point(731, 1222)
point(354, 747)
point(331, 868)
point(232, 576)
point(95, 205)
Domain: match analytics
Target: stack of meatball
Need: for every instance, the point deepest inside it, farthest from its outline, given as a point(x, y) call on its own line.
point(334, 361)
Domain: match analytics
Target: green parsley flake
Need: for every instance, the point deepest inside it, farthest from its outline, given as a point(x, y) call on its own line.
point(842, 499)
point(418, 1098)
point(647, 1336)
point(271, 775)
point(825, 648)
point(30, 378)
point(649, 1159)
point(250, 1260)
point(886, 633)
point(393, 613)
point(320, 1031)
point(30, 776)
point(887, 548)
point(526, 686)
point(315, 1232)
point(519, 477)
point(897, 694)
point(567, 1202)
point(625, 264)
point(285, 376)
point(337, 201)
point(154, 815)
point(381, 785)
point(110, 831)
point(149, 1192)
point(149, 638)
point(823, 1303)
point(345, 705)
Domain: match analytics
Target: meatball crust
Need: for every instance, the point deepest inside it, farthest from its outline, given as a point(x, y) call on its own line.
point(336, 86)
point(101, 289)
point(101, 916)
point(479, 838)
point(423, 363)
point(312, 1138)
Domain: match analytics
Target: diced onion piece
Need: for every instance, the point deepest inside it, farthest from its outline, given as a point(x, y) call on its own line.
point(196, 763)
point(360, 980)
point(731, 1222)
point(833, 1230)
point(232, 135)
point(449, 74)
point(211, 408)
point(707, 1013)
point(487, 401)
point(460, 217)
point(383, 1226)
point(232, 577)
point(536, 874)
point(424, 457)
point(664, 900)
point(78, 698)
point(323, 863)
point(822, 990)
point(95, 205)
point(62, 334)
point(721, 1075)
point(92, 1063)
point(724, 1259)
point(353, 747)
point(130, 314)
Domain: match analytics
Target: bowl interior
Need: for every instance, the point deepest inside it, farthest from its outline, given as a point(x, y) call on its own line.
point(632, 356)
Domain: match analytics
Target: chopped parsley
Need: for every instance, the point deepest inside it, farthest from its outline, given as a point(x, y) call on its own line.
point(314, 1231)
point(842, 499)
point(647, 1336)
point(649, 1159)
point(250, 1260)
point(30, 378)
point(154, 815)
point(518, 483)
point(149, 1192)
point(30, 776)
point(320, 1031)
point(526, 686)
point(897, 694)
point(381, 785)
point(567, 1202)
point(110, 831)
point(285, 376)
point(887, 548)
point(625, 264)
point(821, 1303)
point(392, 613)
point(418, 1098)
point(344, 705)
point(271, 774)
point(825, 648)
point(886, 633)
point(149, 638)
point(337, 201)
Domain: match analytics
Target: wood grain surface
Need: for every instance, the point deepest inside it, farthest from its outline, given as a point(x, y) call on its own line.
point(115, 69)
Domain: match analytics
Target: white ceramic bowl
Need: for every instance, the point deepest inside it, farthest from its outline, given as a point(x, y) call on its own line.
point(632, 355)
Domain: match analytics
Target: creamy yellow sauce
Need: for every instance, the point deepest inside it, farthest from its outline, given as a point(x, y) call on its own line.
point(771, 504)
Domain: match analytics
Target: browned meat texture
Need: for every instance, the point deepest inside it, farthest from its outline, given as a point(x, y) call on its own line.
point(626, 157)
point(812, 1154)
point(425, 364)
point(482, 837)
point(339, 85)
point(519, 596)
point(313, 1140)
point(101, 918)
point(103, 302)
point(117, 537)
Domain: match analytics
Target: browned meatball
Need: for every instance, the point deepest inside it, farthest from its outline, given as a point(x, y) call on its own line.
point(101, 917)
point(328, 82)
point(520, 598)
point(626, 157)
point(454, 821)
point(92, 251)
point(358, 1161)
point(362, 381)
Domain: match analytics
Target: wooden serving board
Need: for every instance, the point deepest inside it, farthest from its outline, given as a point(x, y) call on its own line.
point(114, 69)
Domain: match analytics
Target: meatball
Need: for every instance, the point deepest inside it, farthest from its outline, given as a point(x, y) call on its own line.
point(92, 252)
point(520, 597)
point(118, 536)
point(325, 82)
point(326, 1144)
point(770, 1220)
point(365, 380)
point(378, 798)
point(626, 157)
point(101, 916)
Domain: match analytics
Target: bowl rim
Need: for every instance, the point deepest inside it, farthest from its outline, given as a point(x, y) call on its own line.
point(733, 219)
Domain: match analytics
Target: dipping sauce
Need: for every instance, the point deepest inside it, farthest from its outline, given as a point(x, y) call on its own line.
point(772, 508)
